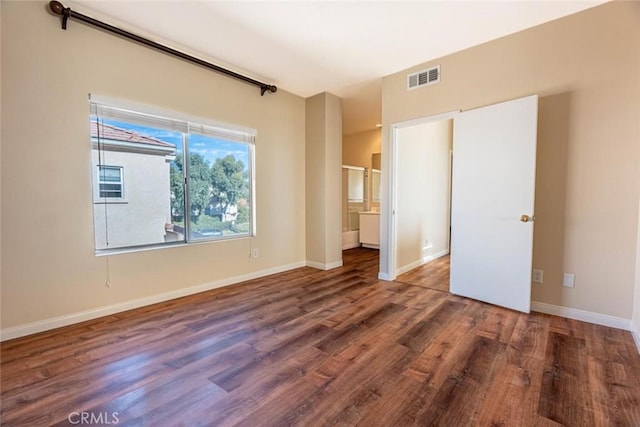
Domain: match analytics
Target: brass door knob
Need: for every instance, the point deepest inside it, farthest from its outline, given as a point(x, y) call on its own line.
point(526, 218)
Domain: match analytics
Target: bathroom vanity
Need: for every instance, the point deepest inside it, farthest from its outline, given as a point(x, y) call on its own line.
point(370, 229)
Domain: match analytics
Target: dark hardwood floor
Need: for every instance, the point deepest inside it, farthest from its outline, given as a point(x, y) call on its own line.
point(433, 275)
point(323, 348)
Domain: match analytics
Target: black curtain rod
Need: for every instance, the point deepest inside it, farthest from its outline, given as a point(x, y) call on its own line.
point(66, 13)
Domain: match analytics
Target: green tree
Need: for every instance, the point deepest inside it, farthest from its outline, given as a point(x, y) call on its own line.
point(230, 181)
point(199, 185)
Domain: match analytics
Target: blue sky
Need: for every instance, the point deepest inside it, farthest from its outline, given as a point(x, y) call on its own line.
point(208, 147)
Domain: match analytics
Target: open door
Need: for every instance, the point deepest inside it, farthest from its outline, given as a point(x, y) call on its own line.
point(493, 184)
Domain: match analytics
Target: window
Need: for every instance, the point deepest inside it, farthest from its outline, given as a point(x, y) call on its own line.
point(110, 182)
point(186, 180)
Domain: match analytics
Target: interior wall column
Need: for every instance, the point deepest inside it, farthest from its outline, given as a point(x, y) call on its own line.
point(323, 181)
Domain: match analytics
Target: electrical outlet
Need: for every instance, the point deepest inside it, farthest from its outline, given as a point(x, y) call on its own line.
point(569, 280)
point(536, 277)
point(255, 253)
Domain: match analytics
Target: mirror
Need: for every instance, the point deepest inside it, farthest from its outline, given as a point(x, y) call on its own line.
point(376, 161)
point(375, 186)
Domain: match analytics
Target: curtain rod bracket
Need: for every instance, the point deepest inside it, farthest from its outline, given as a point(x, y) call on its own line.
point(266, 88)
point(65, 18)
point(66, 13)
point(57, 8)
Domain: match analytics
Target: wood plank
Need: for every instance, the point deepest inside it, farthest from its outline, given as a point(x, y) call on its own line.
point(528, 343)
point(433, 275)
point(337, 347)
point(499, 324)
point(513, 395)
point(565, 395)
point(423, 331)
point(614, 400)
point(456, 401)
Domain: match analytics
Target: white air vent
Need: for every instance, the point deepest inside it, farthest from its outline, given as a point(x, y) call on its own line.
point(424, 78)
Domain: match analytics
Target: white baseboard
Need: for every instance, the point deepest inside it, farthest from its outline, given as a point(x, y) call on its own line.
point(409, 267)
point(322, 266)
point(585, 316)
point(635, 333)
point(350, 239)
point(70, 319)
point(420, 262)
point(384, 276)
point(440, 254)
point(350, 245)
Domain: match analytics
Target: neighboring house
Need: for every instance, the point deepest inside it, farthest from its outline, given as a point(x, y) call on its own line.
point(130, 179)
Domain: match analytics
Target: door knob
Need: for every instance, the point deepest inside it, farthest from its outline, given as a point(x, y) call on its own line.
point(526, 218)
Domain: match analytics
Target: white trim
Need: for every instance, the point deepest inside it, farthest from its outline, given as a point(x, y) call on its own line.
point(389, 180)
point(582, 315)
point(427, 119)
point(384, 276)
point(355, 168)
point(350, 245)
point(412, 265)
point(335, 264)
point(636, 337)
point(321, 266)
point(350, 239)
point(425, 260)
point(70, 319)
point(440, 254)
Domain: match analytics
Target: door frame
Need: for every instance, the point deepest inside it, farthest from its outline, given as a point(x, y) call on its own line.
point(388, 203)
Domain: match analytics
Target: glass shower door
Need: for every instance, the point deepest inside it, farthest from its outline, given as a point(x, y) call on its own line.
point(353, 196)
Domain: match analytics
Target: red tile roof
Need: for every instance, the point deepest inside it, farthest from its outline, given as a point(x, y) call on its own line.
point(113, 133)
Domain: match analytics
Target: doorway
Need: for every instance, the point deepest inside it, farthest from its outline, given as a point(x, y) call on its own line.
point(492, 209)
point(423, 203)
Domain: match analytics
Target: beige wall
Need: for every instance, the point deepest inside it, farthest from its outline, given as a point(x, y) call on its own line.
point(315, 178)
point(48, 264)
point(333, 181)
point(586, 69)
point(422, 200)
point(357, 148)
point(324, 180)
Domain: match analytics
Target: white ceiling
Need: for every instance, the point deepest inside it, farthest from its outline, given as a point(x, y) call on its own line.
point(343, 47)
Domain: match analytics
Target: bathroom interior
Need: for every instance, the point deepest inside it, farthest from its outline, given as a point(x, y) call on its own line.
point(423, 198)
point(361, 162)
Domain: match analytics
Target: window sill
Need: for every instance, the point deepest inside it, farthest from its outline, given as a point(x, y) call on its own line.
point(152, 247)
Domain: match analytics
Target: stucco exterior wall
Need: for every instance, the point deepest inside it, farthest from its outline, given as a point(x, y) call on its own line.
point(140, 217)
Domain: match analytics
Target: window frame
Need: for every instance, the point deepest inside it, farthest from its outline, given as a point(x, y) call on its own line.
point(109, 199)
point(200, 126)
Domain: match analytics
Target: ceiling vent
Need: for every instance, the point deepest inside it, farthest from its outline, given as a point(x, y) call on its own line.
point(424, 78)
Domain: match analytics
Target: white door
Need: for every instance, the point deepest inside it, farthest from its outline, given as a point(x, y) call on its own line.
point(493, 183)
